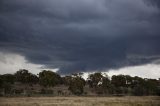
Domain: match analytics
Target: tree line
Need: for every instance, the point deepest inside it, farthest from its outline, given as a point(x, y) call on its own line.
point(98, 83)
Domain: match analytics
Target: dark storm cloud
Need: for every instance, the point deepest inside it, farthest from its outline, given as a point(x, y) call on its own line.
point(81, 35)
point(155, 3)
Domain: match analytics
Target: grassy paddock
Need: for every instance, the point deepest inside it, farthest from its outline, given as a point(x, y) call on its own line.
point(80, 101)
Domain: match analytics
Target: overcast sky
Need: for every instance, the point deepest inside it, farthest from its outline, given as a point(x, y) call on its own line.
point(68, 36)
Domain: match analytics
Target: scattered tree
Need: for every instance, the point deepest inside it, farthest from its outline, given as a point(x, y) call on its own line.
point(76, 85)
point(98, 83)
point(25, 77)
point(94, 79)
point(8, 78)
point(49, 78)
point(1, 81)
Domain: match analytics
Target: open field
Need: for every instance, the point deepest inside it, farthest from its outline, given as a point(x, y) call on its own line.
point(80, 101)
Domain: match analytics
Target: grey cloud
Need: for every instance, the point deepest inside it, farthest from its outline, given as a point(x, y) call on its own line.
point(80, 35)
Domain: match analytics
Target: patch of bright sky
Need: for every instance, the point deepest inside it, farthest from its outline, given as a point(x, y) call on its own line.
point(10, 63)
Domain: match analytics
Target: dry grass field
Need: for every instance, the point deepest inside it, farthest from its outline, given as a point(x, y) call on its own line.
point(80, 101)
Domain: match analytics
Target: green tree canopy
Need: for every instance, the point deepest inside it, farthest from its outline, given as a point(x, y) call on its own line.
point(1, 81)
point(94, 79)
point(49, 78)
point(119, 80)
point(24, 76)
point(8, 78)
point(76, 85)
